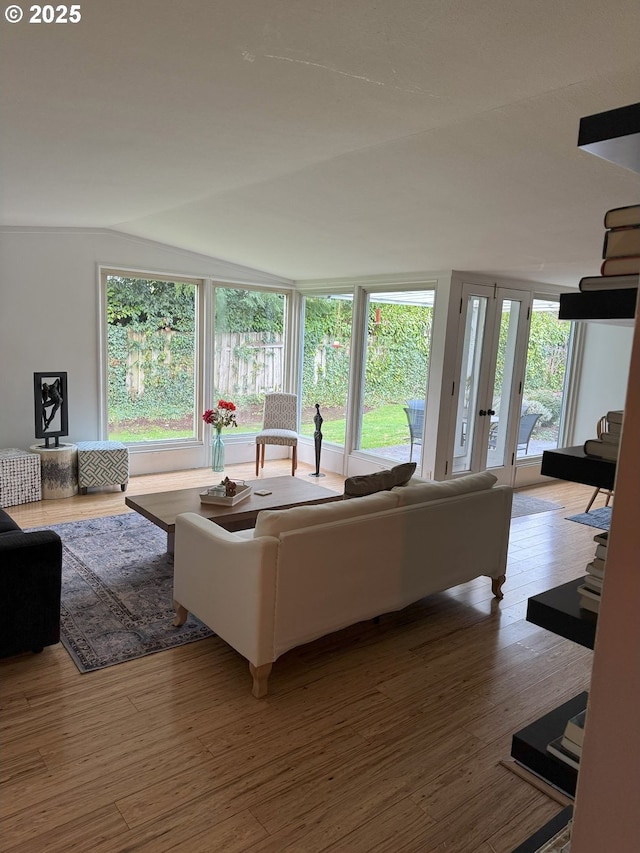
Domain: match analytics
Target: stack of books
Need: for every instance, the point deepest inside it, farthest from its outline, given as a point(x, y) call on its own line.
point(591, 588)
point(568, 748)
point(607, 444)
point(621, 251)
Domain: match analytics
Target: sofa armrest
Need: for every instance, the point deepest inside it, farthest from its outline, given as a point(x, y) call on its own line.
point(30, 587)
point(228, 582)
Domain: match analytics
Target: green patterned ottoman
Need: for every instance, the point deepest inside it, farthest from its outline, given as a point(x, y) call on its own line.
point(102, 463)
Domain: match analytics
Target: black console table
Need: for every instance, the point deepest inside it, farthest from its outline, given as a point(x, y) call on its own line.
point(572, 463)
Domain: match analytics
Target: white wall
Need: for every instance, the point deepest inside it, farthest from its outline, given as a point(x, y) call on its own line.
point(49, 322)
point(604, 375)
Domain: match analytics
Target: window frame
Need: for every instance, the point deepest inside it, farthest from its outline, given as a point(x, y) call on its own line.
point(199, 361)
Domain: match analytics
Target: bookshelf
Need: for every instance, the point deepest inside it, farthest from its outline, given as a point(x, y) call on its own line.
point(603, 819)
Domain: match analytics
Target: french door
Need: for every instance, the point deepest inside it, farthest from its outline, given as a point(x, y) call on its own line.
point(487, 400)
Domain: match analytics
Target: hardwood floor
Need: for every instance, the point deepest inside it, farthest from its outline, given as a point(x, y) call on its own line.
point(382, 737)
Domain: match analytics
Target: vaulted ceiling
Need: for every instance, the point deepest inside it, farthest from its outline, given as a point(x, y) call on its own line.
point(325, 138)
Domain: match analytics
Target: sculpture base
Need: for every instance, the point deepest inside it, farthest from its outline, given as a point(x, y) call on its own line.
point(317, 475)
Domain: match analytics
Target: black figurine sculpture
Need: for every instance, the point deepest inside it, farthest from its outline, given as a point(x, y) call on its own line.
point(317, 437)
point(50, 405)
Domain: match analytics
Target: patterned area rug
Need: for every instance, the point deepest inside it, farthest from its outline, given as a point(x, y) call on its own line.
point(527, 505)
point(600, 517)
point(117, 592)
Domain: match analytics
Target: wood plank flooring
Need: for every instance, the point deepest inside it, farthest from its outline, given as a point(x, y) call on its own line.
point(383, 737)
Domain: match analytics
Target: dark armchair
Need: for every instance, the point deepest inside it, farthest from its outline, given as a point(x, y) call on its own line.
point(30, 585)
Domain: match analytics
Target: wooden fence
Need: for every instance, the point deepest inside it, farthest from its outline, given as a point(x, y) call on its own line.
point(248, 363)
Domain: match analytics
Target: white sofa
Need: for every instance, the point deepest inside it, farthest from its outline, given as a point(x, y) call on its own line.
point(311, 570)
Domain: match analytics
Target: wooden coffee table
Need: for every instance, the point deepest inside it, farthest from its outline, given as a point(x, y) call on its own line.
point(162, 507)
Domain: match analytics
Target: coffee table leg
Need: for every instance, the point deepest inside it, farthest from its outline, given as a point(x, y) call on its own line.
point(171, 541)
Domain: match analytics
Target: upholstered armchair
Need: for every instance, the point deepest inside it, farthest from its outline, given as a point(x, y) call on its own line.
point(280, 427)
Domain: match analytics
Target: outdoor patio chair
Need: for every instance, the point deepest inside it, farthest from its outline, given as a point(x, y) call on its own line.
point(415, 418)
point(527, 424)
point(279, 426)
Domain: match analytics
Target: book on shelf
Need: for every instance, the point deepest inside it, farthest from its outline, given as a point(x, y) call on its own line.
point(593, 583)
point(614, 416)
point(589, 599)
point(621, 242)
point(620, 266)
point(602, 538)
point(614, 428)
point(571, 747)
point(621, 217)
point(574, 730)
point(601, 449)
point(601, 552)
point(590, 604)
point(609, 282)
point(610, 437)
point(595, 568)
point(558, 751)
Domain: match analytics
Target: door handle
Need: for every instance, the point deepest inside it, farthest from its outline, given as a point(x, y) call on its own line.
point(482, 413)
point(490, 412)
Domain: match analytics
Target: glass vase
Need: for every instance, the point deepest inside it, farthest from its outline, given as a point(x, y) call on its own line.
point(217, 451)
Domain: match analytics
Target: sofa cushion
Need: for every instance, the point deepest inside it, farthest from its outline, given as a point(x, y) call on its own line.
point(414, 493)
point(273, 522)
point(368, 484)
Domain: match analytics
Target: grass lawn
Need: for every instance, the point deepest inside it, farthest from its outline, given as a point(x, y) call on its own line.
point(385, 426)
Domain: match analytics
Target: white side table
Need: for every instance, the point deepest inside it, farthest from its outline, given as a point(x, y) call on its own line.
point(59, 469)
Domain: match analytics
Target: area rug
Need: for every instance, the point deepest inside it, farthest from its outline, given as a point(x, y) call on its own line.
point(600, 518)
point(117, 592)
point(527, 505)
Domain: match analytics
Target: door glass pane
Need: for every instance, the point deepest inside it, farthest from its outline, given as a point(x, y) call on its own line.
point(398, 344)
point(503, 383)
point(325, 364)
point(468, 383)
point(151, 357)
point(544, 385)
point(249, 342)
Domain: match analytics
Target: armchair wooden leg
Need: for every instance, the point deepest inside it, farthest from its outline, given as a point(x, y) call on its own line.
point(257, 459)
point(260, 675)
point(496, 586)
point(181, 615)
point(294, 460)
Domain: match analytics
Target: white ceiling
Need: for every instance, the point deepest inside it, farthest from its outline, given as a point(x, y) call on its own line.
point(325, 138)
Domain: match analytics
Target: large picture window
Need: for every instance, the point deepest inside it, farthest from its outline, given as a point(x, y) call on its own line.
point(545, 379)
point(249, 350)
point(398, 346)
point(325, 364)
point(151, 358)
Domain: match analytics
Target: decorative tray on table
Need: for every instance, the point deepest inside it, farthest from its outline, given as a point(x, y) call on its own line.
point(243, 491)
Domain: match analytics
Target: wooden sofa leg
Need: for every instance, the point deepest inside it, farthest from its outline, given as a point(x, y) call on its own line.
point(496, 586)
point(260, 675)
point(181, 615)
